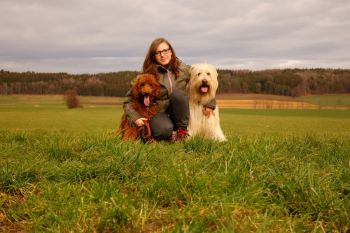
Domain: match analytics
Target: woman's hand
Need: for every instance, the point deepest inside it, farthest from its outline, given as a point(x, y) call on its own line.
point(207, 111)
point(140, 122)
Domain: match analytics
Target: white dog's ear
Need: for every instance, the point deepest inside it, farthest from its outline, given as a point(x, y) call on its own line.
point(192, 68)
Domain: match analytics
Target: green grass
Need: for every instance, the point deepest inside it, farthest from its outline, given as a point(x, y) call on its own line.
point(328, 100)
point(89, 120)
point(286, 122)
point(280, 171)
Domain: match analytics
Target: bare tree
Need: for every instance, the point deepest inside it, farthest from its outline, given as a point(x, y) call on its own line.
point(71, 98)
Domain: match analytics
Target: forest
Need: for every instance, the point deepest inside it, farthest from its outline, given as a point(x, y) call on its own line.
point(287, 82)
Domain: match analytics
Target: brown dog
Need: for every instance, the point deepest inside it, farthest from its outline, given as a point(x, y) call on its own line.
point(145, 90)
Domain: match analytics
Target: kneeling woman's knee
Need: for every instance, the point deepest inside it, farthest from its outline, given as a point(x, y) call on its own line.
point(178, 96)
point(163, 133)
point(161, 126)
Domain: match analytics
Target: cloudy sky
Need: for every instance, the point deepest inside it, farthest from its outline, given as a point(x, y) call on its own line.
point(92, 36)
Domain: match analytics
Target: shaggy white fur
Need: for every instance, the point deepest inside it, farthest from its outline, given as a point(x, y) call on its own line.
point(202, 89)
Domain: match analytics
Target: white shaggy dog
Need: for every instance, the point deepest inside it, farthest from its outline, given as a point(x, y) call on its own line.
point(201, 90)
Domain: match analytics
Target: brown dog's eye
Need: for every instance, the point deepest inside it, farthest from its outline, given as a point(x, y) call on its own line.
point(142, 84)
point(208, 73)
point(199, 73)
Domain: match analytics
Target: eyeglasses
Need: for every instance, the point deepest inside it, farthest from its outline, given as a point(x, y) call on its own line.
point(164, 51)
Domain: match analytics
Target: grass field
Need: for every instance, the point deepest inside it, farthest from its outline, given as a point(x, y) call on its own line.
point(328, 100)
point(65, 170)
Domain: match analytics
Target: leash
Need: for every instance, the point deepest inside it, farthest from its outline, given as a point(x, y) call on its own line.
point(145, 132)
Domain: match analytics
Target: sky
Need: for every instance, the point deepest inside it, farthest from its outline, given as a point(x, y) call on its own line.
point(97, 36)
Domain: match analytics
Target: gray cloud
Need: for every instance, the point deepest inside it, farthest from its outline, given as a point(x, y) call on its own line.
point(92, 36)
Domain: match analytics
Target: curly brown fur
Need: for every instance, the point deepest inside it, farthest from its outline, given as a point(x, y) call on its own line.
point(145, 90)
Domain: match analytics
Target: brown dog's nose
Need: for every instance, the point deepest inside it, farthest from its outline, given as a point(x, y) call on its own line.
point(204, 82)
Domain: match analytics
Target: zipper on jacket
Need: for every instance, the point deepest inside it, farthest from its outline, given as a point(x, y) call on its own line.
point(170, 82)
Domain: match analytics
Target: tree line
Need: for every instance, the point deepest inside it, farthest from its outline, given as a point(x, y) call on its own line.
point(288, 82)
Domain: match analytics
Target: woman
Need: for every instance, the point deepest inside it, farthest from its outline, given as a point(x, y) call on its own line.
point(173, 76)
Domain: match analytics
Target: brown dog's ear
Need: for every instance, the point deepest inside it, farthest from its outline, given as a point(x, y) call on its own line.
point(135, 87)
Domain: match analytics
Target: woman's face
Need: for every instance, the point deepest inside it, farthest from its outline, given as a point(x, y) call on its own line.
point(163, 54)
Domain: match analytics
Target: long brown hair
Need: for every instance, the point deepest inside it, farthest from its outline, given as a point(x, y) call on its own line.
point(150, 64)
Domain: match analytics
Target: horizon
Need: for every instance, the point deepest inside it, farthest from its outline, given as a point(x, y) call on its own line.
point(219, 69)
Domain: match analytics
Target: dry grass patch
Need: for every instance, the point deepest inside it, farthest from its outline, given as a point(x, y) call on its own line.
point(6, 224)
point(101, 100)
point(240, 96)
point(265, 104)
point(260, 101)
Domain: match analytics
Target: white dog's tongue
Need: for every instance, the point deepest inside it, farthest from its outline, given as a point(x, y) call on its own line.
point(146, 101)
point(204, 89)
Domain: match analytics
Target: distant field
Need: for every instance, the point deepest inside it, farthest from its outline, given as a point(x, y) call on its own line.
point(328, 100)
point(50, 113)
point(239, 101)
point(55, 100)
point(66, 170)
point(258, 101)
point(238, 96)
point(265, 104)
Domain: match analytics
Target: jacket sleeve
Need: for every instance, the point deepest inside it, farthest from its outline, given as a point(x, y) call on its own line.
point(130, 113)
point(211, 104)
